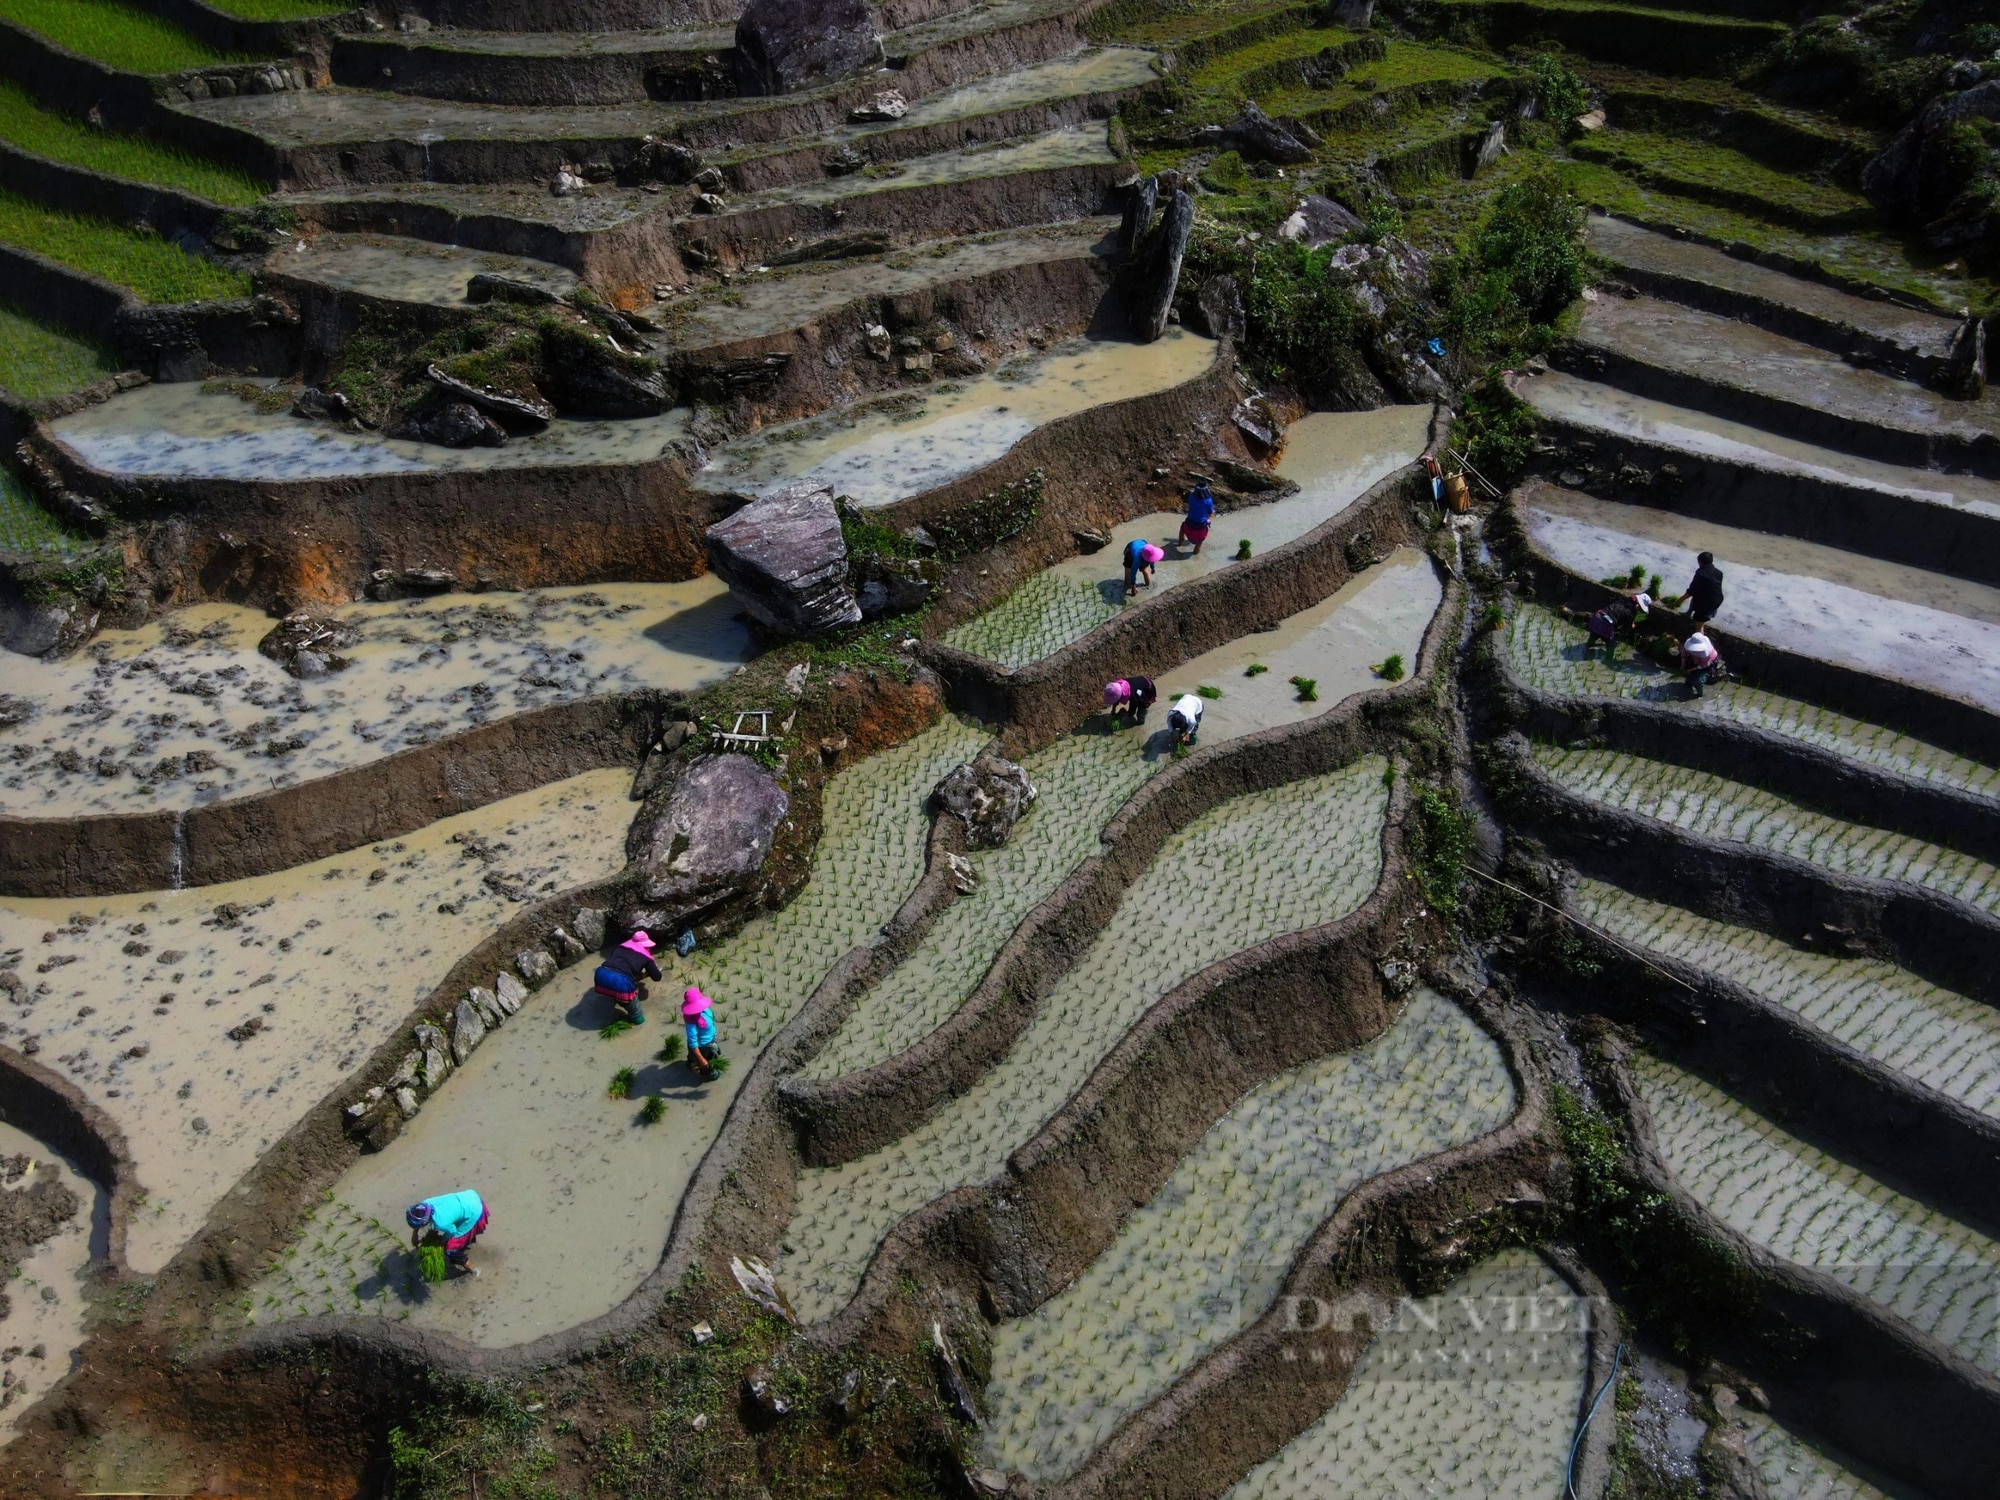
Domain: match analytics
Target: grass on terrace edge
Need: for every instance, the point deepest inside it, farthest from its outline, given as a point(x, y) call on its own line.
point(59, 137)
point(280, 10)
point(28, 530)
point(115, 35)
point(37, 360)
point(151, 267)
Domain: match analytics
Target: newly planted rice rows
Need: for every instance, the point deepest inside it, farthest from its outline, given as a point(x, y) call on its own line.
point(1942, 1040)
point(37, 360)
point(59, 137)
point(1472, 1400)
point(1038, 619)
point(1546, 653)
point(1081, 781)
point(345, 1262)
point(1205, 1258)
point(120, 36)
point(1793, 1468)
point(1728, 810)
point(870, 857)
point(156, 269)
point(1250, 870)
point(1814, 1210)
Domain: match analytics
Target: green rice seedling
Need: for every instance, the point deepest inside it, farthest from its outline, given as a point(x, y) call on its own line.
point(722, 1066)
point(653, 1110)
point(1390, 669)
point(670, 1050)
point(1493, 617)
point(613, 1030)
point(430, 1263)
point(280, 10)
point(1206, 691)
point(120, 36)
point(59, 137)
point(621, 1083)
point(1255, 669)
point(1243, 550)
point(38, 360)
point(1653, 585)
point(1308, 689)
point(150, 266)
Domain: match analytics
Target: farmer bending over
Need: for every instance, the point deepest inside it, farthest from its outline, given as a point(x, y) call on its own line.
point(699, 1020)
point(1140, 557)
point(454, 1220)
point(617, 978)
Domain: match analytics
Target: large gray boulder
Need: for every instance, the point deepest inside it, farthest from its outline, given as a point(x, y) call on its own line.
point(712, 838)
point(783, 45)
point(785, 560)
point(1158, 274)
point(1317, 221)
point(989, 795)
point(1257, 137)
point(1917, 176)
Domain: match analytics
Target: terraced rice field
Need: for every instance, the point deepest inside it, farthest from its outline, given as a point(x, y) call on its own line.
point(1546, 653)
point(1809, 1208)
point(26, 528)
point(1207, 1256)
point(1238, 876)
point(1448, 1412)
point(1038, 619)
point(1729, 810)
point(38, 360)
point(1942, 1040)
point(527, 1120)
point(1080, 782)
point(134, 999)
point(1794, 1468)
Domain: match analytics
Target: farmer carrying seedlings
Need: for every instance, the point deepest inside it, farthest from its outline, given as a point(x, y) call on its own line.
point(1621, 615)
point(1141, 557)
point(1200, 515)
point(454, 1220)
point(699, 1019)
point(618, 977)
point(1184, 718)
point(1132, 695)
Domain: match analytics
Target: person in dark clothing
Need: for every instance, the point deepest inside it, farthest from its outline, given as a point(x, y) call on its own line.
point(1704, 590)
point(618, 977)
point(1620, 617)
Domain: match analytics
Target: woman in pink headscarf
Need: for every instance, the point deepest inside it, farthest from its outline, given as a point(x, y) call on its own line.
point(699, 1019)
point(618, 976)
point(1141, 556)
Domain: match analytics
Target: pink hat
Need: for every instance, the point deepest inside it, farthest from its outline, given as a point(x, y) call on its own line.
point(1152, 553)
point(695, 1003)
point(1117, 692)
point(639, 942)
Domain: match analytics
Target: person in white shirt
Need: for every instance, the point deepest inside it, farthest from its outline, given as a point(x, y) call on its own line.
point(1184, 718)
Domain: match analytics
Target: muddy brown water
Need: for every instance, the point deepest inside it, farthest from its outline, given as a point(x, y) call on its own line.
point(48, 1303)
point(133, 998)
point(184, 710)
point(885, 450)
point(212, 430)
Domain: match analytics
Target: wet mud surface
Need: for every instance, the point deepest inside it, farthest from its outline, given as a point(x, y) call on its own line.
point(52, 1221)
point(582, 1191)
point(406, 270)
point(185, 710)
point(206, 1023)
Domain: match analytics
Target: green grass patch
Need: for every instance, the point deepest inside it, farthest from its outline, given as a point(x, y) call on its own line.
point(1291, 45)
point(1716, 174)
point(114, 34)
point(1405, 66)
point(280, 10)
point(1184, 20)
point(37, 360)
point(156, 270)
point(28, 530)
point(26, 124)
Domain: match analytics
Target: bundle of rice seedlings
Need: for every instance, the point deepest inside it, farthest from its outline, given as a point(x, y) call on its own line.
point(431, 1264)
point(621, 1083)
point(652, 1110)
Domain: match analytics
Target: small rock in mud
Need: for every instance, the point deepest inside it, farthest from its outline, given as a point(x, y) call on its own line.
point(308, 645)
point(246, 1030)
point(510, 993)
point(565, 947)
point(588, 925)
point(760, 1393)
point(14, 711)
point(536, 965)
point(452, 424)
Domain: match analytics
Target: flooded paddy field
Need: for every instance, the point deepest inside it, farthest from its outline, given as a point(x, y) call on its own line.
point(1239, 875)
point(206, 1023)
point(1546, 653)
point(46, 1302)
point(1941, 1040)
point(1796, 1467)
point(1715, 808)
point(1334, 458)
point(184, 710)
point(1938, 1275)
point(885, 450)
point(1928, 629)
point(405, 270)
point(1209, 1253)
point(582, 1192)
point(244, 429)
point(1438, 1409)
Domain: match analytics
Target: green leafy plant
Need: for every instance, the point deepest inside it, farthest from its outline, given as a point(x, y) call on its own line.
point(1255, 669)
point(1442, 835)
point(621, 1083)
point(1206, 691)
point(1560, 95)
point(1390, 669)
point(653, 1110)
point(1308, 689)
point(1243, 550)
point(1493, 617)
point(431, 1264)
